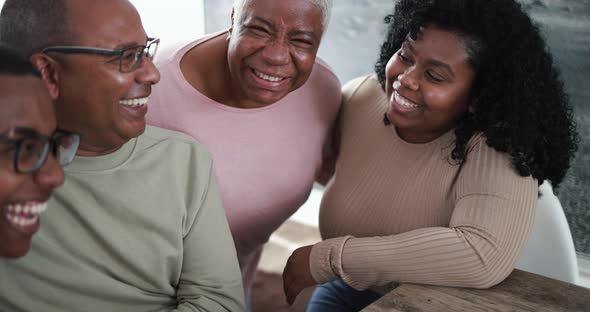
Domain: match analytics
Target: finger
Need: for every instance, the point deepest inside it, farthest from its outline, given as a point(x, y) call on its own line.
point(290, 297)
point(288, 288)
point(287, 279)
point(293, 292)
point(286, 283)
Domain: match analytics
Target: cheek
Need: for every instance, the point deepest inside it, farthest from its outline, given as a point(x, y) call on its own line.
point(448, 100)
point(10, 183)
point(392, 70)
point(120, 89)
point(304, 64)
point(242, 47)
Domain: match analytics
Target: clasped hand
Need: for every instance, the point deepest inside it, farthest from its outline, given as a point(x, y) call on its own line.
point(297, 275)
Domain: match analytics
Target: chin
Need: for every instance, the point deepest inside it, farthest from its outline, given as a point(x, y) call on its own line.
point(132, 132)
point(139, 130)
point(14, 250)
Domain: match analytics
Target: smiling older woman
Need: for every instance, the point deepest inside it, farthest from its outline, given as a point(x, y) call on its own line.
point(263, 104)
point(444, 193)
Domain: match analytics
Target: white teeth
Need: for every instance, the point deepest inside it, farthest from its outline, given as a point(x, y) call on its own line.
point(134, 102)
point(267, 77)
point(22, 221)
point(24, 214)
point(33, 208)
point(403, 102)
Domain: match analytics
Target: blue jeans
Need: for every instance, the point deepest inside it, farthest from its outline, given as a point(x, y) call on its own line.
point(337, 296)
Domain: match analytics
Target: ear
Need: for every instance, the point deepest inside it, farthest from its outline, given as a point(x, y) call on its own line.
point(48, 68)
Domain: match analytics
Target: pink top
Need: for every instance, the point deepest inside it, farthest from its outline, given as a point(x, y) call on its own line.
point(265, 159)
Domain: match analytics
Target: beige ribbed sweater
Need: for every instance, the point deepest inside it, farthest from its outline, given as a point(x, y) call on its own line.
point(401, 212)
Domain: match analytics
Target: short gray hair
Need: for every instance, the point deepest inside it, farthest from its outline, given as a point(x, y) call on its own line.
point(324, 5)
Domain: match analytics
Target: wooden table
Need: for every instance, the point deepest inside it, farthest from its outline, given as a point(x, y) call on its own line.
point(521, 291)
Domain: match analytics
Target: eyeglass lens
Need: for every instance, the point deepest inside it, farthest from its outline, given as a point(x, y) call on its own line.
point(131, 57)
point(66, 146)
point(32, 152)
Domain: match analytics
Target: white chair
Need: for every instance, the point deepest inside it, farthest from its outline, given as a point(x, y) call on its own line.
point(550, 249)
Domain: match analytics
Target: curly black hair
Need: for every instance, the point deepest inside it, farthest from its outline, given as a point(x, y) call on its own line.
point(521, 106)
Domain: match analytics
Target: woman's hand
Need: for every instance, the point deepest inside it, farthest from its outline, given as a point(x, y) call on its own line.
point(297, 275)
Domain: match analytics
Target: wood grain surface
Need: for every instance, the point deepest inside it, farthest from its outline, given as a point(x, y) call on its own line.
point(521, 291)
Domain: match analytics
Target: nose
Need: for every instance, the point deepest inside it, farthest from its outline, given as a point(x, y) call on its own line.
point(50, 175)
point(276, 52)
point(409, 79)
point(147, 72)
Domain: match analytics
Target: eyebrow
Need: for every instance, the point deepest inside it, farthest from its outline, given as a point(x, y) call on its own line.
point(432, 62)
point(305, 33)
point(262, 20)
point(410, 46)
point(130, 44)
point(298, 32)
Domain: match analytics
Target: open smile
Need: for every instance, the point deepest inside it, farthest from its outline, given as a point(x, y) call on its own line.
point(24, 216)
point(266, 77)
point(270, 82)
point(403, 102)
point(136, 102)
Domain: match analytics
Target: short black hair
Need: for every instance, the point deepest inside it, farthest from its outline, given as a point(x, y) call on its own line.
point(28, 26)
point(11, 63)
point(520, 103)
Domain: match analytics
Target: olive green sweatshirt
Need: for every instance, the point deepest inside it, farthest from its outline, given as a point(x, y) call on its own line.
point(141, 229)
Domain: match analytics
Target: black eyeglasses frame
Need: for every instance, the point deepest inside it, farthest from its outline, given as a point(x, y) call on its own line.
point(144, 51)
point(50, 143)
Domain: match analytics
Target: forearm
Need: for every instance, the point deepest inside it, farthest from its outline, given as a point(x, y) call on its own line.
point(478, 251)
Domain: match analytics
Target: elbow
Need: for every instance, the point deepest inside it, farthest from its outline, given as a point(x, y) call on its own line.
point(491, 275)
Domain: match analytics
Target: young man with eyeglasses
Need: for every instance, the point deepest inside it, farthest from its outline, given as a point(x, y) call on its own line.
point(32, 152)
point(138, 225)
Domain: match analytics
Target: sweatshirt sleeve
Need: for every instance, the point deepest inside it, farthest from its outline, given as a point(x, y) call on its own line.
point(489, 226)
point(210, 278)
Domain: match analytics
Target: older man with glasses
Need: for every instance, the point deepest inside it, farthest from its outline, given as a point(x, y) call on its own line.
point(138, 226)
point(32, 152)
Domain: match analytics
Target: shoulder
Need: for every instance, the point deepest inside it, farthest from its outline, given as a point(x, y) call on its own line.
point(478, 144)
point(324, 69)
point(179, 162)
point(170, 55)
point(482, 158)
point(173, 142)
point(321, 90)
point(487, 171)
point(362, 88)
point(187, 160)
point(322, 78)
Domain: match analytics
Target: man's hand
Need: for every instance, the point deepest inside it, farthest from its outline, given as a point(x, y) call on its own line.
point(296, 275)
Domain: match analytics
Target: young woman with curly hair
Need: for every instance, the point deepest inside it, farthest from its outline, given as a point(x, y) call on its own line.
point(437, 177)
